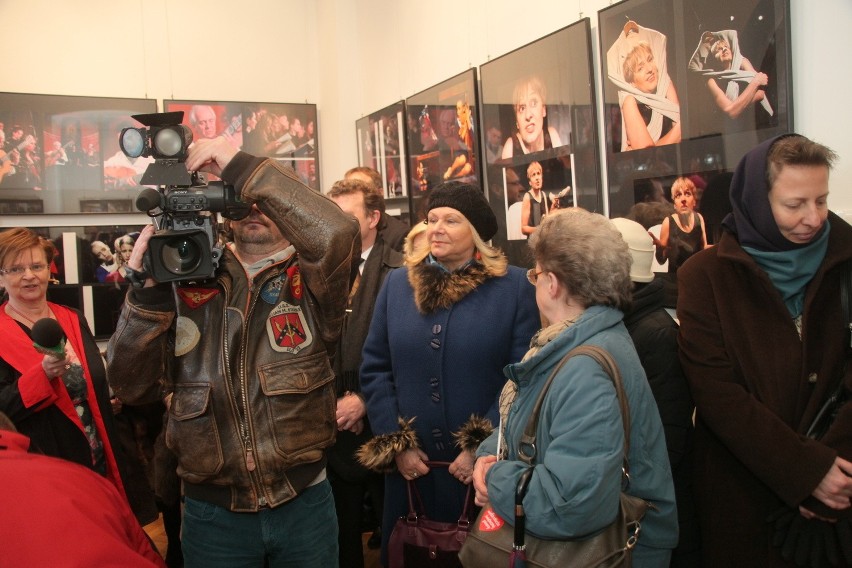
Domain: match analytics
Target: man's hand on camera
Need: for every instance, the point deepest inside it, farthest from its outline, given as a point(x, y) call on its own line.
point(210, 155)
point(139, 248)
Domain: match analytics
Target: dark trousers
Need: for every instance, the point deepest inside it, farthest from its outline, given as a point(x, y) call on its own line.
point(349, 501)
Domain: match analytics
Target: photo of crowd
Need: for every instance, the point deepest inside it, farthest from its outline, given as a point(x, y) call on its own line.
point(62, 151)
point(285, 132)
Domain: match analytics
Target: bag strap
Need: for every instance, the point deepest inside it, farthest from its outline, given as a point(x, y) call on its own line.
point(527, 449)
point(419, 510)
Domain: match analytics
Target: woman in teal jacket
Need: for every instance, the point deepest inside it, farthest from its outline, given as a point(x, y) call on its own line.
point(582, 281)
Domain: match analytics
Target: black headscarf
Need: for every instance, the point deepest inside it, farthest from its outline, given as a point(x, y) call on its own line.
point(752, 220)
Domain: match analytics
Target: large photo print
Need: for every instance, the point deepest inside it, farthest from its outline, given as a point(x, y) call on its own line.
point(540, 133)
point(689, 87)
point(286, 132)
point(381, 146)
point(56, 151)
point(443, 137)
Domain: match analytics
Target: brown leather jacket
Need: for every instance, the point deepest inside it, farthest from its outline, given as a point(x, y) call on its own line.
point(247, 362)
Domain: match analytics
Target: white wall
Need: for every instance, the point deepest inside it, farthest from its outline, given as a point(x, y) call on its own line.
point(350, 57)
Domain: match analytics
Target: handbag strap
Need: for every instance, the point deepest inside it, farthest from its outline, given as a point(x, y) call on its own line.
point(527, 448)
point(414, 495)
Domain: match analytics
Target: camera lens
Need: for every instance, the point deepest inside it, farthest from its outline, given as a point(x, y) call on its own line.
point(181, 255)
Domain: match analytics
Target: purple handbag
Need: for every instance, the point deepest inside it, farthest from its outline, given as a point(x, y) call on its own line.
point(419, 542)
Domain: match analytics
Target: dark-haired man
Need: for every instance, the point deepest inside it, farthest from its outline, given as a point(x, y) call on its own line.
point(245, 358)
point(392, 230)
point(349, 480)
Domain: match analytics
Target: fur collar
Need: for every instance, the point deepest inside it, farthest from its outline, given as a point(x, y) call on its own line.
point(435, 288)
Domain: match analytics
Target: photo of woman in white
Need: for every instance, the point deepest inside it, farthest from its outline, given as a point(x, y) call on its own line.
point(732, 80)
point(650, 109)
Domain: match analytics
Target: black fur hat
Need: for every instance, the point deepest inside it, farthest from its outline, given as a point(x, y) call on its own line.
point(468, 199)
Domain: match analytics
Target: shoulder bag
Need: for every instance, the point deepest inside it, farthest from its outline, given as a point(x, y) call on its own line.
point(494, 543)
point(419, 542)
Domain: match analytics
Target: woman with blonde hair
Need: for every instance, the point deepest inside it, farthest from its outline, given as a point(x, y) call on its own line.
point(443, 328)
point(650, 108)
point(123, 249)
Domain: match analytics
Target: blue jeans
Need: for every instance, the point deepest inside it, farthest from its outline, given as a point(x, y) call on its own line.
point(301, 533)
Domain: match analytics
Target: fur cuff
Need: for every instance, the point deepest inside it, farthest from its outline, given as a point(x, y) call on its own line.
point(472, 433)
point(378, 453)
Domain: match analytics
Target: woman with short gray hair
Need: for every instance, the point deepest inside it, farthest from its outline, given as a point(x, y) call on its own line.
point(582, 282)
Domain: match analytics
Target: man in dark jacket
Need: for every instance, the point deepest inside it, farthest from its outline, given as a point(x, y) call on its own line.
point(245, 358)
point(350, 481)
point(391, 230)
point(654, 335)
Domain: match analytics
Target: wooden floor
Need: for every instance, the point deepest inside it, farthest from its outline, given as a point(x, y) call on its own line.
point(158, 535)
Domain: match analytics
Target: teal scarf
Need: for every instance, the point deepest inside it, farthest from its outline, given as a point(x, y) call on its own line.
point(791, 270)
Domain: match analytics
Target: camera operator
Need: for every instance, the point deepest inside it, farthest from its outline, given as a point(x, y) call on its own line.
point(245, 358)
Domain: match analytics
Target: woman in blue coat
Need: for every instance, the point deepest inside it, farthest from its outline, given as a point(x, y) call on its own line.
point(443, 328)
point(582, 284)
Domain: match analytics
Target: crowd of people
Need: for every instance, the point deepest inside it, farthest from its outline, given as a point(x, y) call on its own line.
point(338, 356)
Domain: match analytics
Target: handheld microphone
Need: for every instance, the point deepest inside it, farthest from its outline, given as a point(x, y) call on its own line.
point(48, 338)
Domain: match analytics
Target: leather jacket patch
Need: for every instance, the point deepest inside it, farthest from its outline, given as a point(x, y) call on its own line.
point(287, 329)
point(271, 291)
point(187, 336)
point(195, 297)
point(295, 275)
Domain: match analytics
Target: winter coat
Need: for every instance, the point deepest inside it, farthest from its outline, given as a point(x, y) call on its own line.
point(439, 372)
point(575, 487)
point(347, 358)
point(757, 387)
point(57, 513)
point(41, 408)
point(654, 334)
point(247, 359)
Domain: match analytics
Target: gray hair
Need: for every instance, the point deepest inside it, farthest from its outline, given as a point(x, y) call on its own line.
point(588, 256)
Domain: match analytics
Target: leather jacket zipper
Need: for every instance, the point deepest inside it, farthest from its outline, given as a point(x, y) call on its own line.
point(251, 464)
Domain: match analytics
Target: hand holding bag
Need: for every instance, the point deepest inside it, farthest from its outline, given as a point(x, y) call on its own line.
point(493, 543)
point(419, 542)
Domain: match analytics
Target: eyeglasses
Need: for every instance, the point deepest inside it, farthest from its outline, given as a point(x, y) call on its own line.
point(18, 271)
point(532, 275)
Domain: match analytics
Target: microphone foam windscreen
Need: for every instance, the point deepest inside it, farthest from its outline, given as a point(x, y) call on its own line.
point(47, 332)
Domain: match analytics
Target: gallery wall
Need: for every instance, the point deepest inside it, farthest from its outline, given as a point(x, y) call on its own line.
point(349, 57)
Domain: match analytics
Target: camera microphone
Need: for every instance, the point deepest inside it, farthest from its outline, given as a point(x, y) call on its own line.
point(48, 338)
point(148, 199)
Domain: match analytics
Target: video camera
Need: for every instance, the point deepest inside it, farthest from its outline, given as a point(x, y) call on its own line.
point(184, 208)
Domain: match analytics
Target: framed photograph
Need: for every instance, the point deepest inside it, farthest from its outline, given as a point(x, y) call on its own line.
point(286, 132)
point(57, 149)
point(442, 136)
point(88, 270)
point(539, 127)
point(690, 87)
point(381, 146)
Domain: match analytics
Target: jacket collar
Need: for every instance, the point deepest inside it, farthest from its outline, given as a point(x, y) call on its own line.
point(593, 321)
point(435, 288)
